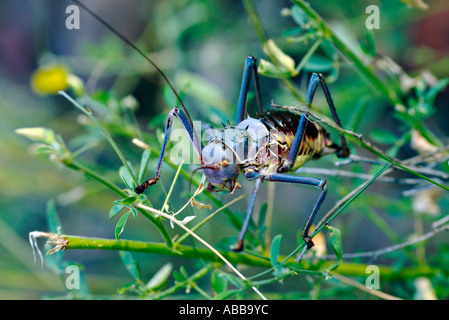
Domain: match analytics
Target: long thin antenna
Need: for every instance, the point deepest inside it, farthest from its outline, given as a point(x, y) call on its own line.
point(132, 45)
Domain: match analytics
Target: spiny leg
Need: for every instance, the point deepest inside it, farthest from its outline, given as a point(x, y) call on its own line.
point(193, 138)
point(319, 183)
point(279, 177)
point(239, 245)
point(316, 78)
point(249, 70)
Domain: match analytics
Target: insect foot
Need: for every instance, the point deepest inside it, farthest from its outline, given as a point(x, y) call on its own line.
point(308, 241)
point(238, 247)
point(140, 189)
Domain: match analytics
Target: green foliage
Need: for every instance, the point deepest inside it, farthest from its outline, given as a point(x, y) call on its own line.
point(375, 97)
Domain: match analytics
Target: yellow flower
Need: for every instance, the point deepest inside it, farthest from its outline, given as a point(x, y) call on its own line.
point(51, 78)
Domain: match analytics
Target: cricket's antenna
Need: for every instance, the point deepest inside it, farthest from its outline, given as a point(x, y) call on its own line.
point(132, 45)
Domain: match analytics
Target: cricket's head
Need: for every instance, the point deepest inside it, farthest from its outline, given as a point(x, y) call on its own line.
point(220, 159)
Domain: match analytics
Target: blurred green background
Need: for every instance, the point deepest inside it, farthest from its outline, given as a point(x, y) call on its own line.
point(201, 45)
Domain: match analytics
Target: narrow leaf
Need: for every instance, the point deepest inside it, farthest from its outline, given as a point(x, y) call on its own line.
point(335, 241)
point(274, 251)
point(128, 201)
point(144, 163)
point(336, 245)
point(116, 208)
point(53, 221)
point(131, 265)
point(121, 225)
point(262, 215)
point(160, 278)
point(219, 283)
point(126, 176)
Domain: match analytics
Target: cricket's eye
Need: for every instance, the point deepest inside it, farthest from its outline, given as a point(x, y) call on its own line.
point(224, 163)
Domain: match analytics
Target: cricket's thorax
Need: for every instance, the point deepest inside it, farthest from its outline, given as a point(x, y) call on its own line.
point(261, 144)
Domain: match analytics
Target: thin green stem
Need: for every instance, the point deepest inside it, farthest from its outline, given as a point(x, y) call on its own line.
point(209, 217)
point(74, 165)
point(172, 186)
point(308, 55)
point(92, 174)
point(192, 279)
point(357, 138)
point(103, 131)
point(212, 249)
point(350, 269)
point(327, 219)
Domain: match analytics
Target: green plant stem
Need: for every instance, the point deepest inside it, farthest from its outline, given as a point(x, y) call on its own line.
point(93, 175)
point(350, 269)
point(209, 217)
point(357, 138)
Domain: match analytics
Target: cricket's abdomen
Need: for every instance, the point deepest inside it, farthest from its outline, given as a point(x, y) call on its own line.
point(283, 125)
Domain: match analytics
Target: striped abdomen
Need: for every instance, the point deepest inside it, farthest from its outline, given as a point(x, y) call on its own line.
point(283, 125)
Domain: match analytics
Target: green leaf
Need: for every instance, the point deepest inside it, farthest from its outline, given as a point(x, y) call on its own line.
point(126, 176)
point(169, 97)
point(336, 246)
point(179, 276)
point(231, 279)
point(134, 211)
point(298, 15)
point(120, 226)
point(219, 282)
point(128, 201)
point(368, 46)
point(183, 271)
point(131, 265)
point(160, 278)
point(335, 241)
point(226, 294)
point(53, 221)
point(144, 163)
point(262, 215)
point(274, 251)
point(329, 50)
point(116, 208)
